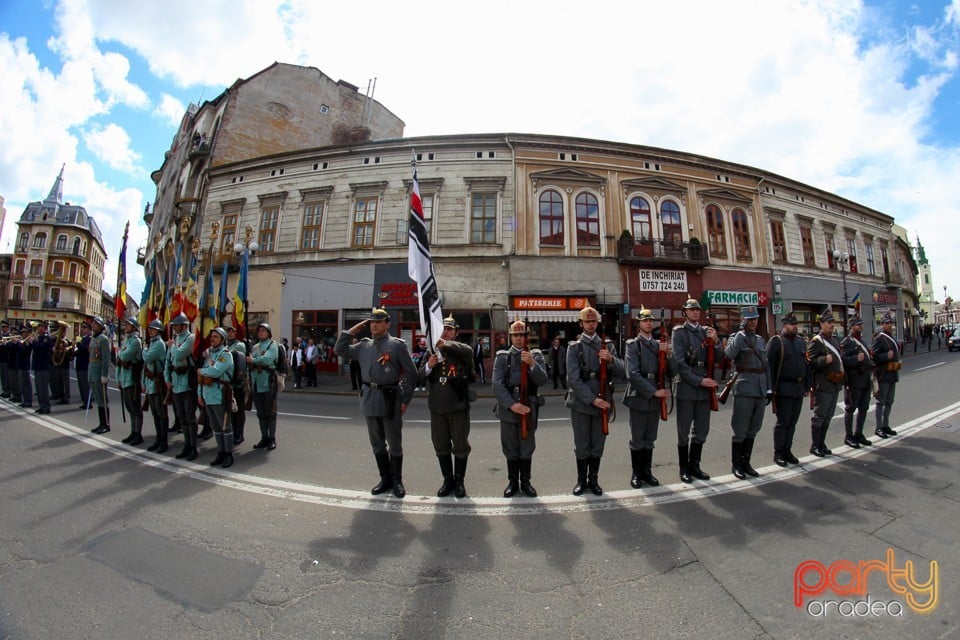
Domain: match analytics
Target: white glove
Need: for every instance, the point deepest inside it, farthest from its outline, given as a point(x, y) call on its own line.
point(103, 380)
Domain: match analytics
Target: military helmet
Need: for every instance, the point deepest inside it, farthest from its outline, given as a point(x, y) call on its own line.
point(378, 314)
point(518, 328)
point(749, 313)
point(692, 303)
point(130, 320)
point(644, 314)
point(450, 322)
point(221, 332)
point(98, 320)
point(180, 318)
point(588, 313)
point(156, 325)
point(265, 325)
point(887, 318)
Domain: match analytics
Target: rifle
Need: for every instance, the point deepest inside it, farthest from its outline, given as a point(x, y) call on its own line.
point(662, 368)
point(604, 413)
point(709, 345)
point(727, 388)
point(524, 384)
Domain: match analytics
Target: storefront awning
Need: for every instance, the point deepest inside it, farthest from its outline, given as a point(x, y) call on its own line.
point(543, 316)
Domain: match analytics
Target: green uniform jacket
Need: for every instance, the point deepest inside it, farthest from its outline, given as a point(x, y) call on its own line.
point(99, 358)
point(130, 355)
point(449, 380)
point(263, 369)
point(217, 365)
point(179, 357)
point(153, 357)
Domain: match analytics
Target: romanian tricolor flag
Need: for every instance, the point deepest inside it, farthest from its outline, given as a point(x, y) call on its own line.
point(146, 298)
point(120, 301)
point(856, 303)
point(240, 299)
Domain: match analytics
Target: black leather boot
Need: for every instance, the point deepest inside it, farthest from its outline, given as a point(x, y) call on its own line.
point(459, 472)
point(683, 458)
point(635, 464)
point(779, 459)
point(581, 485)
point(129, 438)
point(696, 450)
point(513, 479)
point(386, 480)
point(221, 453)
point(446, 468)
point(104, 426)
point(745, 459)
point(646, 466)
point(736, 457)
point(525, 487)
point(396, 468)
point(593, 470)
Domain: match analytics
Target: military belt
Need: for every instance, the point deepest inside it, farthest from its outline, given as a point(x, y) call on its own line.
point(374, 385)
point(260, 368)
point(756, 370)
point(181, 370)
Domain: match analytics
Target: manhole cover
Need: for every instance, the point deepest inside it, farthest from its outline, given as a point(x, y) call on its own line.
point(946, 426)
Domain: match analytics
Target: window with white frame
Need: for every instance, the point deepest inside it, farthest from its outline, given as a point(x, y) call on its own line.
point(483, 217)
point(365, 221)
point(551, 218)
point(269, 215)
point(312, 220)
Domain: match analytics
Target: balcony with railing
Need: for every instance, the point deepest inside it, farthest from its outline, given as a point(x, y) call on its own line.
point(14, 302)
point(662, 252)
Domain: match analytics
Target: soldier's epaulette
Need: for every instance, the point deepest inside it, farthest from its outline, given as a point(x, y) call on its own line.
point(504, 351)
point(677, 327)
point(536, 351)
point(400, 340)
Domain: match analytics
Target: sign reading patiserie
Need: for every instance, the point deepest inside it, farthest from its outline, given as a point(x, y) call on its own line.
point(733, 297)
point(663, 280)
point(548, 303)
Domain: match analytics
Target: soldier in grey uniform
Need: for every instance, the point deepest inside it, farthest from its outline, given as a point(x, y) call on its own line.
point(129, 371)
point(448, 384)
point(751, 392)
point(507, 370)
point(389, 379)
point(586, 400)
point(262, 369)
point(886, 353)
point(826, 361)
point(858, 365)
point(643, 397)
point(238, 418)
point(689, 346)
point(787, 359)
point(177, 375)
point(98, 372)
point(154, 354)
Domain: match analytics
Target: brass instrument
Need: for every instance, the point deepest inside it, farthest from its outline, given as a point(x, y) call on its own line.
point(62, 350)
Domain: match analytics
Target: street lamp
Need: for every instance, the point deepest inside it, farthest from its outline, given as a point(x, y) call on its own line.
point(245, 248)
point(841, 259)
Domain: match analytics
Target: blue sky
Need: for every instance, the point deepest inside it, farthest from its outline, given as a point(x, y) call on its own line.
point(856, 98)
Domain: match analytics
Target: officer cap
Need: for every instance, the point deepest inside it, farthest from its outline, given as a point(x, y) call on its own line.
point(220, 331)
point(789, 319)
point(826, 316)
point(24, 327)
point(155, 324)
point(450, 322)
point(749, 313)
point(691, 304)
point(588, 313)
point(644, 314)
point(98, 320)
point(265, 325)
point(518, 328)
point(180, 318)
point(856, 320)
point(379, 314)
point(133, 323)
point(887, 318)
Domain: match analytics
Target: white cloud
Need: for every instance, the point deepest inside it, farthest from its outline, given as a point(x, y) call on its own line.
point(111, 144)
point(170, 110)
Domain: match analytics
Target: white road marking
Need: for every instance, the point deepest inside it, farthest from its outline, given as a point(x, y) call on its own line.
point(939, 364)
point(327, 496)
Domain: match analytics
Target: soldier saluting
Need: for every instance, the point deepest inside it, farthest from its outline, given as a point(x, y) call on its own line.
point(858, 365)
point(823, 354)
point(508, 368)
point(449, 403)
point(389, 378)
point(587, 401)
point(886, 352)
point(751, 392)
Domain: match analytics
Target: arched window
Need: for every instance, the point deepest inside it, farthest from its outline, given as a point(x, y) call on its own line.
point(588, 220)
point(741, 234)
point(40, 241)
point(24, 240)
point(551, 218)
point(717, 239)
point(76, 246)
point(640, 219)
point(670, 219)
point(62, 242)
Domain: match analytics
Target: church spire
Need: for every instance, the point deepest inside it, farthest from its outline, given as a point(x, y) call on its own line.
point(56, 191)
point(921, 254)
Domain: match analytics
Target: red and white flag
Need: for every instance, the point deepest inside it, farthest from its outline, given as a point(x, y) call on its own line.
point(420, 269)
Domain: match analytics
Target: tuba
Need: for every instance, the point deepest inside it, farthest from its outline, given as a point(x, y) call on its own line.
point(62, 349)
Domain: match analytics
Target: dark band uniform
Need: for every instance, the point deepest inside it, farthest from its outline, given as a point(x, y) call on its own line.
point(888, 374)
point(827, 383)
point(786, 356)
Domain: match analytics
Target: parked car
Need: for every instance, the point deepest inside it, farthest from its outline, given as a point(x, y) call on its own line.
point(953, 342)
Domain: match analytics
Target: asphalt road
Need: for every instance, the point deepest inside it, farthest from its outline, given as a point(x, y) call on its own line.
point(98, 540)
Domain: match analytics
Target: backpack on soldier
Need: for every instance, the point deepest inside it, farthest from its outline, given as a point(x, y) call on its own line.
point(281, 366)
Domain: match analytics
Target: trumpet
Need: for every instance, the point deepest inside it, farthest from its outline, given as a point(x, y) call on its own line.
point(9, 339)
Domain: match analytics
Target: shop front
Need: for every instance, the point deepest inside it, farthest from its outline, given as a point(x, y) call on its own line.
point(555, 316)
point(726, 291)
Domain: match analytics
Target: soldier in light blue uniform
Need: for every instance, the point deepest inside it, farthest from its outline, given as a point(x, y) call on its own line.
point(752, 391)
point(241, 386)
point(262, 369)
point(129, 372)
point(389, 378)
point(177, 376)
point(154, 355)
point(215, 394)
point(98, 373)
